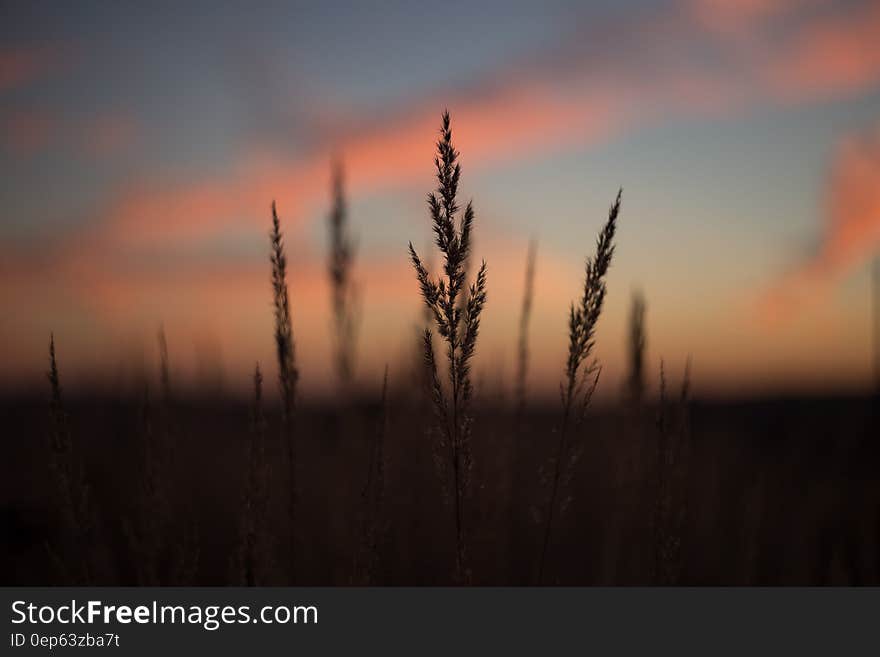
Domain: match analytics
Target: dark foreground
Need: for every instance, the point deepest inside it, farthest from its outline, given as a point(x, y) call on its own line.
point(765, 492)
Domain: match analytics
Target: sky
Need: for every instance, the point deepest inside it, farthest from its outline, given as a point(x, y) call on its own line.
point(141, 148)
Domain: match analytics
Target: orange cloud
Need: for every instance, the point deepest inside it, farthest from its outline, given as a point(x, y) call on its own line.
point(522, 112)
point(797, 50)
point(26, 133)
point(854, 232)
point(18, 66)
point(232, 300)
point(828, 56)
point(851, 234)
point(108, 135)
point(514, 123)
point(32, 131)
point(731, 16)
point(527, 110)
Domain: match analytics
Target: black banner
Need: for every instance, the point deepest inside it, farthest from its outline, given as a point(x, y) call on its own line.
point(408, 621)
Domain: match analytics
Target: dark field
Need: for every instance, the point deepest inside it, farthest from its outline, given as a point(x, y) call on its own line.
point(775, 492)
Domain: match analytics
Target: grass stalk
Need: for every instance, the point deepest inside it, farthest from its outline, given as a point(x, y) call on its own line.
point(458, 324)
point(636, 349)
point(575, 391)
point(343, 292)
point(288, 375)
point(73, 490)
point(373, 527)
point(522, 362)
point(673, 434)
point(252, 553)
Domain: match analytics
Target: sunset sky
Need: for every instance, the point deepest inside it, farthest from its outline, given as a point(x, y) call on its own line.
point(141, 148)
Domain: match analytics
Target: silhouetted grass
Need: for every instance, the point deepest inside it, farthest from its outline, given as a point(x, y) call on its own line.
point(522, 361)
point(374, 522)
point(575, 390)
point(343, 291)
point(288, 376)
point(458, 326)
point(254, 553)
point(702, 495)
point(636, 349)
point(76, 559)
point(672, 462)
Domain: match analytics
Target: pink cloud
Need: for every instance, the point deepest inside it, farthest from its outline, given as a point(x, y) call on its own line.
point(109, 135)
point(851, 233)
point(523, 112)
point(834, 55)
point(19, 66)
point(26, 133)
point(514, 124)
point(232, 298)
point(528, 110)
point(732, 16)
